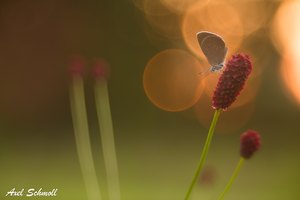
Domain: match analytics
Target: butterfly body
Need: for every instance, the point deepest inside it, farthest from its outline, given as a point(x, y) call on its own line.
point(214, 49)
point(216, 68)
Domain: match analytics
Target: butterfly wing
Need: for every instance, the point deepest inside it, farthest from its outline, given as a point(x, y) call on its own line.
point(213, 47)
point(203, 34)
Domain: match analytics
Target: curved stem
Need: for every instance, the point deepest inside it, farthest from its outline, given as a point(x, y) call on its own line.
point(82, 138)
point(204, 152)
point(233, 177)
point(107, 137)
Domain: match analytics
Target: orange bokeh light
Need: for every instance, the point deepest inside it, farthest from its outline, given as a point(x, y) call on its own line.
point(171, 80)
point(286, 27)
point(220, 18)
point(286, 31)
point(161, 19)
point(290, 72)
point(180, 6)
point(253, 14)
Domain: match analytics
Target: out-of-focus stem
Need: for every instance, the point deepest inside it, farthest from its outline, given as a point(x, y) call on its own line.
point(233, 177)
point(107, 137)
point(83, 144)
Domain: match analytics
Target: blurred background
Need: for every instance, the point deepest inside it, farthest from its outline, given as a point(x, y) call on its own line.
point(161, 108)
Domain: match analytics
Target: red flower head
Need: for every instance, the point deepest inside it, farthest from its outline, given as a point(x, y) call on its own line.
point(77, 65)
point(231, 81)
point(250, 143)
point(101, 69)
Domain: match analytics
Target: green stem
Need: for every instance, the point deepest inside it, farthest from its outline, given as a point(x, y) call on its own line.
point(83, 144)
point(233, 177)
point(204, 152)
point(107, 137)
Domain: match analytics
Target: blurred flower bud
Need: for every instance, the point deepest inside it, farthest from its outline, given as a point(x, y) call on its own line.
point(250, 142)
point(77, 65)
point(101, 69)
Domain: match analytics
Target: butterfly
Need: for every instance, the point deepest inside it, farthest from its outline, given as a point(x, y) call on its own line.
point(214, 49)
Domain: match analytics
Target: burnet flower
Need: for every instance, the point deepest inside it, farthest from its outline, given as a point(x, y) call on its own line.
point(230, 84)
point(231, 81)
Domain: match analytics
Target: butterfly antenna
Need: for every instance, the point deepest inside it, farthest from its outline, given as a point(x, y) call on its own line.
point(203, 74)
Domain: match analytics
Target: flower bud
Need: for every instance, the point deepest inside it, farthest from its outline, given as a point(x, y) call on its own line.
point(250, 143)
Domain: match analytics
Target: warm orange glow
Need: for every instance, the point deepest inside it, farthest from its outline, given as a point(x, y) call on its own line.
point(161, 19)
point(177, 18)
point(258, 48)
point(286, 27)
point(171, 80)
point(179, 6)
point(220, 18)
point(286, 35)
point(253, 14)
point(231, 120)
point(290, 72)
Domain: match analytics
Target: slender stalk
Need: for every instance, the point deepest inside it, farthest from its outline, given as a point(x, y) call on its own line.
point(107, 137)
point(204, 153)
point(233, 177)
point(82, 139)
